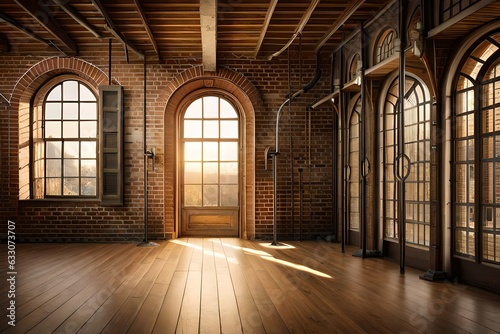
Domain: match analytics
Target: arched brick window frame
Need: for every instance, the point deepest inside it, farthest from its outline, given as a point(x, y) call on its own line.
point(249, 98)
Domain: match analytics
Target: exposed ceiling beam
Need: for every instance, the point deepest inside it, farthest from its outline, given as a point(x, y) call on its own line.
point(71, 11)
point(112, 29)
point(17, 25)
point(47, 21)
point(303, 21)
point(208, 25)
point(267, 20)
point(353, 6)
point(147, 27)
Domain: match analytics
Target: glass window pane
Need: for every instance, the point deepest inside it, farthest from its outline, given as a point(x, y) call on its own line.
point(71, 187)
point(52, 110)
point(227, 110)
point(210, 172)
point(89, 149)
point(70, 129)
point(88, 111)
point(210, 107)
point(54, 149)
point(194, 110)
point(55, 94)
point(86, 94)
point(192, 195)
point(211, 151)
point(192, 151)
point(88, 129)
point(229, 172)
point(71, 149)
point(229, 129)
point(70, 111)
point(211, 129)
point(192, 129)
point(70, 90)
point(192, 173)
point(53, 167)
point(53, 186)
point(210, 195)
point(229, 151)
point(89, 187)
point(229, 195)
point(88, 168)
point(52, 129)
point(71, 167)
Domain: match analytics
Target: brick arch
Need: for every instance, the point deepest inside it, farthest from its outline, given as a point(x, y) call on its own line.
point(250, 101)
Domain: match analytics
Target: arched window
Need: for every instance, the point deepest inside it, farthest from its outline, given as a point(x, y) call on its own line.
point(65, 142)
point(417, 147)
point(354, 67)
point(477, 154)
point(210, 167)
point(385, 45)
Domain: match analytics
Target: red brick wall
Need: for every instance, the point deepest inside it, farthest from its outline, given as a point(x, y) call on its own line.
point(39, 220)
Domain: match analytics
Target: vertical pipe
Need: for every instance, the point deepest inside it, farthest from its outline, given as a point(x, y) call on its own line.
point(301, 197)
point(292, 176)
point(343, 162)
point(275, 194)
point(362, 142)
point(401, 148)
point(109, 62)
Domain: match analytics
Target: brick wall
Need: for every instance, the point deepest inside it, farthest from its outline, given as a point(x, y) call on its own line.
point(39, 220)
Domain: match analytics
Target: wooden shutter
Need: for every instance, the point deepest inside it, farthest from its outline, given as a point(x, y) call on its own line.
point(111, 144)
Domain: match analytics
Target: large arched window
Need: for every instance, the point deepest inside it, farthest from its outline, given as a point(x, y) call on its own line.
point(417, 148)
point(65, 142)
point(210, 167)
point(477, 154)
point(385, 45)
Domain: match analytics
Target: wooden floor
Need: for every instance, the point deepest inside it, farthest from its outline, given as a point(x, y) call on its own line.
point(214, 285)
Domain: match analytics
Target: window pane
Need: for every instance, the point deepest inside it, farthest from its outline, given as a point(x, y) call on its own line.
point(192, 129)
point(88, 111)
point(229, 129)
point(53, 186)
point(71, 167)
point(194, 110)
point(70, 91)
point(71, 187)
point(192, 172)
point(229, 151)
point(192, 151)
point(229, 172)
point(54, 149)
point(88, 129)
point(210, 172)
point(70, 129)
point(211, 151)
point(227, 110)
point(53, 167)
point(86, 94)
point(229, 195)
point(70, 111)
point(210, 195)
point(210, 107)
point(211, 129)
point(71, 149)
point(55, 94)
point(88, 168)
point(52, 129)
point(89, 186)
point(89, 149)
point(53, 111)
point(192, 195)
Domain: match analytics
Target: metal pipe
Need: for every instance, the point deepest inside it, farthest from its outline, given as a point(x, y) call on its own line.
point(362, 142)
point(292, 176)
point(301, 201)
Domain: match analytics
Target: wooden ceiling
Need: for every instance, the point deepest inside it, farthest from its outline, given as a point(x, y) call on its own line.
point(200, 31)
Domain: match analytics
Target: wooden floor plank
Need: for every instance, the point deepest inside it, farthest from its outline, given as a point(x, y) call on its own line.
point(228, 285)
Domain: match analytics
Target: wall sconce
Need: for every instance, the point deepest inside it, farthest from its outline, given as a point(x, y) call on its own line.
point(416, 38)
point(358, 72)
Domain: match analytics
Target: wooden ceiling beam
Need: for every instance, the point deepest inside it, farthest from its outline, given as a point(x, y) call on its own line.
point(147, 27)
point(47, 21)
point(208, 25)
point(17, 25)
point(267, 20)
point(71, 11)
point(346, 14)
point(112, 29)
